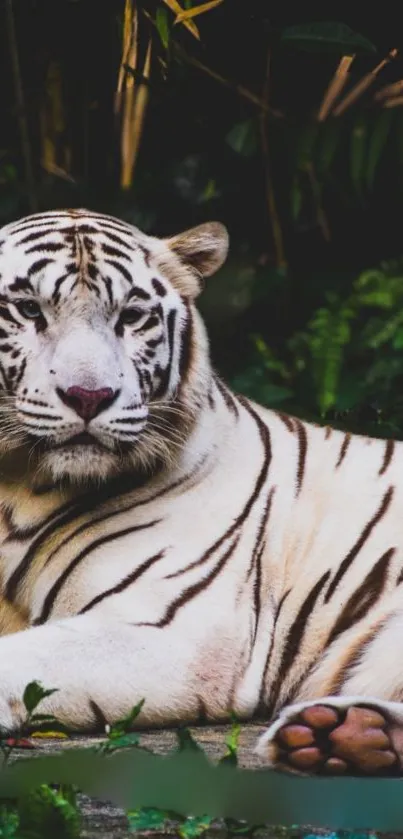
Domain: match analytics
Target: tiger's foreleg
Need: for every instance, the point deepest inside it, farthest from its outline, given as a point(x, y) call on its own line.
point(101, 670)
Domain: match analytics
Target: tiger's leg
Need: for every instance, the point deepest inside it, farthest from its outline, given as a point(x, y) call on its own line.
point(360, 730)
point(100, 668)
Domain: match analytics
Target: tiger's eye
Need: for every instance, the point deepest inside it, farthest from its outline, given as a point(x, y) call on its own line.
point(29, 309)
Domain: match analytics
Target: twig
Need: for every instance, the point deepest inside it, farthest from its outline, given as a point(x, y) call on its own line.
point(281, 261)
point(21, 112)
point(237, 88)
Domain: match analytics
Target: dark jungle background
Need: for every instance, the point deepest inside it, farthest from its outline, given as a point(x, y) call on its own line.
point(167, 118)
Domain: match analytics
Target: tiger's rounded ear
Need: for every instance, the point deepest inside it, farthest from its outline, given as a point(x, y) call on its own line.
point(203, 248)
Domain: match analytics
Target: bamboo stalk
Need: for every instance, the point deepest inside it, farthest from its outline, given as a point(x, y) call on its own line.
point(363, 84)
point(135, 122)
point(335, 87)
point(394, 102)
point(239, 89)
point(389, 90)
point(276, 230)
point(21, 110)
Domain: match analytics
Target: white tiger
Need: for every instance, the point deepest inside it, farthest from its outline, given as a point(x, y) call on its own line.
point(162, 538)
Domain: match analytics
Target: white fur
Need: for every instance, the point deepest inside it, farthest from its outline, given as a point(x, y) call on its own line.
point(211, 655)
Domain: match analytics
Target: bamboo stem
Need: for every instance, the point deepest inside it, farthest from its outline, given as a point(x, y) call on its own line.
point(239, 89)
point(335, 87)
point(276, 230)
point(363, 84)
point(21, 111)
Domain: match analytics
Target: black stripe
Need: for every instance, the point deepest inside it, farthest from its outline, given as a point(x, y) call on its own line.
point(39, 265)
point(295, 637)
point(114, 238)
point(262, 703)
point(111, 251)
point(227, 396)
point(121, 269)
point(6, 315)
point(344, 566)
point(264, 433)
point(136, 291)
point(125, 583)
point(72, 510)
point(185, 354)
point(21, 284)
point(48, 247)
point(343, 449)
point(286, 420)
point(99, 716)
point(20, 372)
point(387, 457)
point(192, 591)
point(164, 374)
point(365, 596)
point(303, 445)
point(158, 287)
point(52, 594)
point(31, 237)
point(357, 650)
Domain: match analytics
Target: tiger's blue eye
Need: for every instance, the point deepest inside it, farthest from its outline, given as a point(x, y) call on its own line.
point(29, 309)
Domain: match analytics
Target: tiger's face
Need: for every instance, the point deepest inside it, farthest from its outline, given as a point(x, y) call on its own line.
point(101, 362)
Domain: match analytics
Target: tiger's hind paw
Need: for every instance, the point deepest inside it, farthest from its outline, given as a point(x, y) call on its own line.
point(328, 740)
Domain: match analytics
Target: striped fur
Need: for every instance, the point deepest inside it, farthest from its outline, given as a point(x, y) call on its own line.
point(197, 550)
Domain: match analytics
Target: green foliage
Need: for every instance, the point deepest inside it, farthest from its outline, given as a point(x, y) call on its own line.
point(327, 36)
point(347, 357)
point(45, 813)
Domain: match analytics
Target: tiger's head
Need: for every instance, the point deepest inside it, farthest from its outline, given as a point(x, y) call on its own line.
point(103, 357)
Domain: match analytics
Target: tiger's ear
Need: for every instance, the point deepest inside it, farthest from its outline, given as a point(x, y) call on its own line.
point(203, 249)
point(188, 257)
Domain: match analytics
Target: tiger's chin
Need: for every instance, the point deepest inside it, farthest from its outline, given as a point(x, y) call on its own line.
point(80, 465)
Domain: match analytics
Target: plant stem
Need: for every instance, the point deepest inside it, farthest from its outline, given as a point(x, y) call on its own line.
point(277, 233)
point(21, 111)
point(237, 88)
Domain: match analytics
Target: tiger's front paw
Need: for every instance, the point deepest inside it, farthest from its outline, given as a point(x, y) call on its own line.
point(325, 739)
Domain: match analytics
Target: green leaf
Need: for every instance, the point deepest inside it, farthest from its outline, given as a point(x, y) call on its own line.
point(296, 198)
point(124, 725)
point(305, 143)
point(33, 695)
point(327, 36)
point(45, 813)
point(186, 742)
point(243, 138)
point(326, 147)
point(161, 21)
point(147, 818)
point(194, 826)
point(121, 742)
point(358, 146)
point(231, 743)
point(377, 142)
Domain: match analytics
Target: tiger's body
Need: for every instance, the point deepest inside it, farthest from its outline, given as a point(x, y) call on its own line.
point(162, 538)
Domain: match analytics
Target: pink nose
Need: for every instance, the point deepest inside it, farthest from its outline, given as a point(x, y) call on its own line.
point(87, 403)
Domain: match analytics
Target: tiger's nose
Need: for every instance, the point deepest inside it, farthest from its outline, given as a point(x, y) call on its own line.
point(87, 403)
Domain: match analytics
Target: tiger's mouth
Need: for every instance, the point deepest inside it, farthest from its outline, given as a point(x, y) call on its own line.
point(82, 439)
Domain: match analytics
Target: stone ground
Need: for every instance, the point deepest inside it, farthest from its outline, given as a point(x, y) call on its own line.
point(102, 820)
